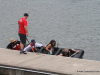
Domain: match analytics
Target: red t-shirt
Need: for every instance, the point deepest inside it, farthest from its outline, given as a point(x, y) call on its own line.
point(21, 23)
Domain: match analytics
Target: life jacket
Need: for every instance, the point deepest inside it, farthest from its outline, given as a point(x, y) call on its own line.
point(16, 46)
point(32, 47)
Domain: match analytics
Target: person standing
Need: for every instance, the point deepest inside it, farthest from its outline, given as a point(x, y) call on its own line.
point(23, 32)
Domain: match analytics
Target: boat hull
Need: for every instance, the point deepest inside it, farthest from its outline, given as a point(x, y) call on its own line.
point(57, 51)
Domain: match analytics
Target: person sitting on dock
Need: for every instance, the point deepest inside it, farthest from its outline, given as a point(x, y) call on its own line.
point(50, 46)
point(14, 44)
point(67, 52)
point(32, 46)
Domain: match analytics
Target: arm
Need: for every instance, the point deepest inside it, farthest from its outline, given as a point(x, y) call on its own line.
point(25, 27)
point(38, 44)
point(75, 50)
point(60, 55)
point(9, 46)
point(44, 46)
point(47, 48)
point(18, 42)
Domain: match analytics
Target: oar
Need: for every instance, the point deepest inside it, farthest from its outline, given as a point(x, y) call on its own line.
point(27, 40)
point(41, 49)
point(30, 45)
point(74, 54)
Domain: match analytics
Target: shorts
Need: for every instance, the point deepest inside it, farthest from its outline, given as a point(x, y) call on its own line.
point(22, 38)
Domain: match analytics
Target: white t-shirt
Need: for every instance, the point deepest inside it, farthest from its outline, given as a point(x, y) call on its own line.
point(28, 48)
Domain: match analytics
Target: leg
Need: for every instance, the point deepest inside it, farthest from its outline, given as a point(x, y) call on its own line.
point(22, 42)
point(21, 47)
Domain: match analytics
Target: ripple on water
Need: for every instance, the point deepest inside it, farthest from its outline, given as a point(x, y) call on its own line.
point(74, 24)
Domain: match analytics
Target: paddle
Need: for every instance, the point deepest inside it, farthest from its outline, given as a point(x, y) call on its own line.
point(41, 49)
point(74, 54)
point(27, 40)
point(29, 44)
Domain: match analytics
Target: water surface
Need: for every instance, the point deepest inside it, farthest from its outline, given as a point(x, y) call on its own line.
point(72, 23)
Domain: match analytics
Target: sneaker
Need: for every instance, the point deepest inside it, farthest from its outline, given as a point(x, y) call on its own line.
point(24, 52)
point(21, 51)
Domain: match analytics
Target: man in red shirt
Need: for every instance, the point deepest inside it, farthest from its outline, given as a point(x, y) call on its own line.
point(23, 32)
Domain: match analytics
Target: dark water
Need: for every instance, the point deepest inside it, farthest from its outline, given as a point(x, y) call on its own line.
point(72, 23)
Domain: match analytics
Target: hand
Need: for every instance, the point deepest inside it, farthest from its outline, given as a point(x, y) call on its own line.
point(58, 55)
point(50, 52)
point(44, 46)
point(77, 51)
point(27, 34)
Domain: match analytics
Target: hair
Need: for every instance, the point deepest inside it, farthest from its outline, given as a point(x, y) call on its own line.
point(51, 42)
point(66, 49)
point(25, 14)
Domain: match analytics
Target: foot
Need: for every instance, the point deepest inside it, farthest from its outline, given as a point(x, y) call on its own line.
point(23, 52)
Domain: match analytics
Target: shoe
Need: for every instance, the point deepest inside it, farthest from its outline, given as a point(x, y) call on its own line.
point(21, 51)
point(24, 52)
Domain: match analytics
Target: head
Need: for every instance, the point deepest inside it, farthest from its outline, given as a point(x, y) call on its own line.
point(33, 41)
point(53, 43)
point(12, 40)
point(66, 50)
point(26, 15)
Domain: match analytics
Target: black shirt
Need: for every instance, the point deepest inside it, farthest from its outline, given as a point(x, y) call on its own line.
point(11, 45)
point(67, 54)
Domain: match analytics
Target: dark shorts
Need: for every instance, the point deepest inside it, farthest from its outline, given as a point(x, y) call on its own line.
point(22, 38)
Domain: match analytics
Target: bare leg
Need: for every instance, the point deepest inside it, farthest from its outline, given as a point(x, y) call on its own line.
point(21, 47)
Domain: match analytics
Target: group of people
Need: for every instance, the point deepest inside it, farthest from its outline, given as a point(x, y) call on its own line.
point(23, 34)
point(15, 45)
point(34, 44)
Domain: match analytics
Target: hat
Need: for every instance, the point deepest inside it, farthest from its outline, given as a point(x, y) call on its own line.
point(12, 40)
point(25, 14)
point(33, 41)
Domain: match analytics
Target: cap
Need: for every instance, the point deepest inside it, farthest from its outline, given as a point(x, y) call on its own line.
point(25, 14)
point(12, 40)
point(33, 41)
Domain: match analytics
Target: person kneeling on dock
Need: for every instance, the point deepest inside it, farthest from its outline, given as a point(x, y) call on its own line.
point(14, 44)
point(32, 46)
point(67, 52)
point(50, 47)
